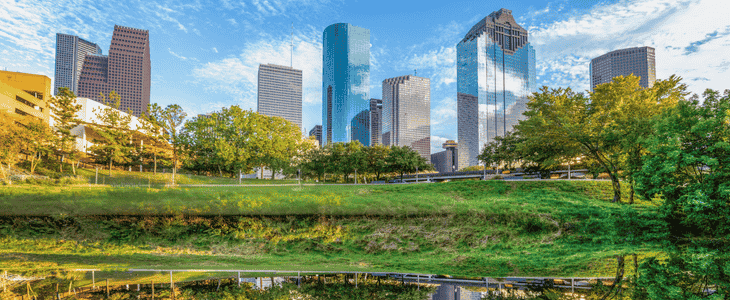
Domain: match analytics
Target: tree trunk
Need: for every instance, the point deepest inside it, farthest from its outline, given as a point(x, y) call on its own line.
point(2, 171)
point(619, 277)
point(61, 164)
point(631, 195)
point(155, 157)
point(73, 168)
point(110, 166)
point(616, 188)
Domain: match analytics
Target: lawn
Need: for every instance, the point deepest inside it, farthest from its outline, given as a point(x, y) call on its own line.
point(470, 228)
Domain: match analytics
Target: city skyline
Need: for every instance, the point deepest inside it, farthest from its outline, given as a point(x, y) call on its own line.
point(197, 64)
point(406, 115)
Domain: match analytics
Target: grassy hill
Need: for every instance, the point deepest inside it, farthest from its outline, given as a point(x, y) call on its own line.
point(470, 228)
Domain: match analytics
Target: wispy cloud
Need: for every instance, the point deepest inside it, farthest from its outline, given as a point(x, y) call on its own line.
point(232, 21)
point(438, 64)
point(437, 143)
point(180, 56)
point(215, 50)
point(237, 75)
point(565, 46)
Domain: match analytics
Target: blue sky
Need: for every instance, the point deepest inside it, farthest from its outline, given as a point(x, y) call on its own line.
point(205, 54)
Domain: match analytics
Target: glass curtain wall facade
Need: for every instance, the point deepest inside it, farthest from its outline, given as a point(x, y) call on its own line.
point(495, 75)
point(280, 93)
point(639, 61)
point(346, 84)
point(406, 114)
point(70, 53)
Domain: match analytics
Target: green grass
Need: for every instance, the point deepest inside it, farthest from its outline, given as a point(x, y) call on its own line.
point(136, 178)
point(468, 228)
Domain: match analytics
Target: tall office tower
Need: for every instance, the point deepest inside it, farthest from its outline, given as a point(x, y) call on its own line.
point(376, 111)
point(280, 93)
point(638, 61)
point(126, 70)
point(407, 113)
point(316, 132)
point(345, 84)
point(495, 73)
point(447, 160)
point(70, 53)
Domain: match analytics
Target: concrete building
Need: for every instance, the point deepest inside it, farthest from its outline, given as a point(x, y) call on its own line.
point(316, 132)
point(280, 93)
point(85, 134)
point(447, 160)
point(495, 75)
point(639, 61)
point(376, 124)
point(25, 94)
point(126, 70)
point(71, 51)
point(345, 84)
point(406, 116)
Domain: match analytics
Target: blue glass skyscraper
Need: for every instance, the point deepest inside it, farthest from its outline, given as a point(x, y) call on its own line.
point(495, 75)
point(346, 84)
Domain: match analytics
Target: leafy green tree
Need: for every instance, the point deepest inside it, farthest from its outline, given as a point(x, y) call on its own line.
point(686, 167)
point(502, 152)
point(113, 128)
point(353, 159)
point(629, 109)
point(171, 118)
point(156, 138)
point(64, 110)
point(402, 159)
point(375, 160)
point(314, 161)
point(562, 125)
point(199, 139)
point(39, 140)
point(282, 144)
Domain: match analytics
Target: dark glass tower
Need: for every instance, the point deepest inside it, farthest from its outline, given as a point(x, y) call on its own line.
point(495, 75)
point(345, 84)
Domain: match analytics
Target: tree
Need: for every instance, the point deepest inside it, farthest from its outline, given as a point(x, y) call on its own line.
point(314, 161)
point(375, 159)
point(39, 140)
point(503, 151)
point(171, 118)
point(629, 109)
point(64, 110)
point(156, 142)
point(686, 166)
point(353, 159)
point(11, 141)
point(113, 128)
point(403, 159)
point(198, 140)
point(283, 141)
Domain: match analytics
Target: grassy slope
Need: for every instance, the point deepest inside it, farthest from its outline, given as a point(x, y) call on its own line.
point(136, 178)
point(461, 228)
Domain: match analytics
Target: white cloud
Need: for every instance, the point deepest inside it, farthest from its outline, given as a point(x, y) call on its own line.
point(180, 56)
point(444, 112)
point(438, 64)
point(238, 75)
point(215, 50)
point(437, 143)
point(683, 43)
point(232, 21)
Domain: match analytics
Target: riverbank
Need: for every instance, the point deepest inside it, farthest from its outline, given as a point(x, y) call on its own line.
point(470, 228)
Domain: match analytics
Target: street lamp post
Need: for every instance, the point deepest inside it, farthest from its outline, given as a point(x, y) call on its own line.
point(416, 174)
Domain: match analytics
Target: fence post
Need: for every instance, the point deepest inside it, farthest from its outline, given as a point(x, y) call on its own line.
point(153, 290)
point(238, 278)
point(93, 281)
point(107, 287)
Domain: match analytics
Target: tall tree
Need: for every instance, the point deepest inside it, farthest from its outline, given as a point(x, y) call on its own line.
point(375, 160)
point(39, 140)
point(629, 109)
point(113, 128)
point(562, 125)
point(11, 141)
point(171, 118)
point(502, 152)
point(687, 166)
point(283, 143)
point(64, 110)
point(156, 139)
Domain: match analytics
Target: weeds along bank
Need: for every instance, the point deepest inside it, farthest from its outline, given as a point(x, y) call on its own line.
point(462, 228)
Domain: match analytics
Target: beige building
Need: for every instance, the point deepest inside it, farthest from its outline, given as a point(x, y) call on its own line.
point(25, 94)
point(406, 114)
